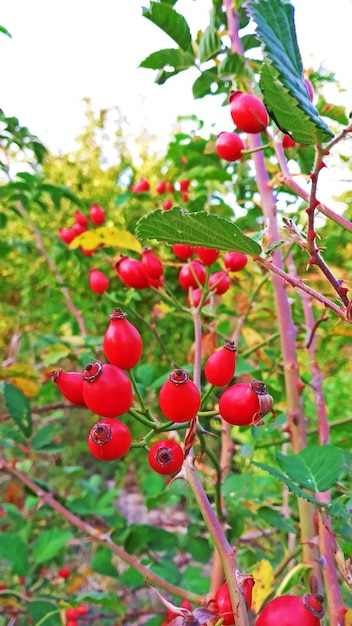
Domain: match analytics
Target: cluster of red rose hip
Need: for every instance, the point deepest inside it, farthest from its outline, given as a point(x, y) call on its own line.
point(250, 116)
point(161, 188)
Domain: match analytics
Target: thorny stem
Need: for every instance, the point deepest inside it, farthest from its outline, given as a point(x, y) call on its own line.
point(226, 553)
point(98, 536)
point(65, 292)
point(296, 282)
point(295, 415)
point(327, 542)
point(287, 179)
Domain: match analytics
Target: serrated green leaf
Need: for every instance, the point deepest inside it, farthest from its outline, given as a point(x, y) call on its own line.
point(291, 485)
point(232, 64)
point(43, 437)
point(282, 73)
point(337, 509)
point(197, 229)
point(19, 408)
point(316, 468)
point(176, 59)
point(171, 22)
point(102, 564)
point(209, 44)
point(294, 114)
point(49, 544)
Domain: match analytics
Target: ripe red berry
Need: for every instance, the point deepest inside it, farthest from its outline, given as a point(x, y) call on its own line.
point(167, 205)
point(223, 601)
point(141, 186)
point(184, 196)
point(183, 184)
point(169, 187)
point(78, 229)
point(245, 403)
point(81, 219)
point(71, 622)
point(109, 440)
point(66, 235)
point(195, 298)
point(82, 609)
point(248, 112)
point(160, 187)
point(287, 142)
point(183, 250)
point(179, 397)
point(165, 457)
point(71, 614)
point(64, 572)
point(219, 283)
point(22, 580)
point(122, 343)
point(98, 282)
point(70, 385)
point(107, 390)
point(235, 261)
point(219, 368)
point(157, 283)
point(131, 273)
point(88, 252)
point(192, 274)
point(289, 611)
point(96, 214)
point(152, 265)
point(208, 256)
point(229, 146)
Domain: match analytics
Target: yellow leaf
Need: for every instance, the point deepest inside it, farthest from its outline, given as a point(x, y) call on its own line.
point(28, 387)
point(106, 237)
point(54, 353)
point(348, 618)
point(251, 337)
point(19, 369)
point(263, 575)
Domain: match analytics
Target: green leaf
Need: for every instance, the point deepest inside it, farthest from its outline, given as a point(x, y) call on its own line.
point(292, 487)
point(295, 117)
point(171, 22)
point(209, 44)
point(43, 437)
point(232, 64)
point(176, 60)
point(49, 544)
point(101, 563)
point(5, 31)
point(282, 73)
point(197, 229)
point(14, 550)
point(315, 468)
point(202, 85)
point(19, 408)
point(333, 111)
point(44, 610)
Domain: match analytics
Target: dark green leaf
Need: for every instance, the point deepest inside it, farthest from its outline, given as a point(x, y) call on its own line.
point(197, 229)
point(337, 509)
point(171, 58)
point(249, 42)
point(14, 550)
point(209, 44)
point(171, 22)
point(49, 544)
point(293, 113)
point(44, 610)
point(282, 73)
point(19, 408)
point(315, 468)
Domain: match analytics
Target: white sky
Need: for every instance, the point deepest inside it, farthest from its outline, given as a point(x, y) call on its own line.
point(63, 51)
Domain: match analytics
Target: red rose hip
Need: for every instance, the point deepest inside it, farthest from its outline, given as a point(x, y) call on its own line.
point(107, 390)
point(244, 404)
point(122, 343)
point(179, 397)
point(109, 440)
